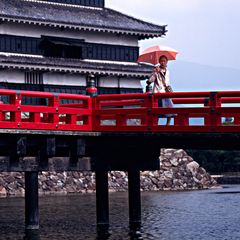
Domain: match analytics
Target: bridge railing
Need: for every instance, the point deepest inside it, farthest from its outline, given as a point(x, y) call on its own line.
point(192, 111)
point(49, 113)
point(121, 112)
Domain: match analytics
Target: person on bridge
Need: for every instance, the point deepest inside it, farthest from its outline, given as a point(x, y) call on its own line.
point(161, 79)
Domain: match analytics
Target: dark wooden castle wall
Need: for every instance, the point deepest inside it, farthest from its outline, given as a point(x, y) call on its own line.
point(60, 48)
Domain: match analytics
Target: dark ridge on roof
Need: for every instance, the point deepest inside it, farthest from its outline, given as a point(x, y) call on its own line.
point(93, 3)
point(75, 65)
point(100, 18)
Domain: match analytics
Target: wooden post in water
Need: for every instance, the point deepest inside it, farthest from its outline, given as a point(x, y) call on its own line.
point(134, 196)
point(31, 201)
point(102, 202)
point(31, 235)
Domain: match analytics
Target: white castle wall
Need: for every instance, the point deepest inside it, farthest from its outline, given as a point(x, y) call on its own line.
point(12, 76)
point(88, 36)
point(116, 82)
point(64, 79)
point(130, 83)
point(80, 80)
point(68, 79)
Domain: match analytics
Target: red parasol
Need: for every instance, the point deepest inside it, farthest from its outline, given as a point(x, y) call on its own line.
point(152, 54)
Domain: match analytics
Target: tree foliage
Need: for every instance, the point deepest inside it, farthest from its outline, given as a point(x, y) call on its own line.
point(217, 161)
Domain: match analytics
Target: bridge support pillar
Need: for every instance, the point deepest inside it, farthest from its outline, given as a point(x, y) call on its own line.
point(134, 196)
point(102, 202)
point(31, 201)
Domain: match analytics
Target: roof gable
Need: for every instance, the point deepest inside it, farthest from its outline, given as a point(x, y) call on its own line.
point(96, 19)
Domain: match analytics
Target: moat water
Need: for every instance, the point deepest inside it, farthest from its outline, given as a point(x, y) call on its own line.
point(207, 214)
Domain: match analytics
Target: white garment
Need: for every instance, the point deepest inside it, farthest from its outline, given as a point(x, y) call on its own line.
point(157, 79)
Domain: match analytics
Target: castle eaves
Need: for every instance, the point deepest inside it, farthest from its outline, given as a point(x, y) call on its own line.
point(74, 66)
point(82, 18)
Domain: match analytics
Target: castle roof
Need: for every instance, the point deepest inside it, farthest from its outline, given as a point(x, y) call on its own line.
point(77, 17)
point(74, 66)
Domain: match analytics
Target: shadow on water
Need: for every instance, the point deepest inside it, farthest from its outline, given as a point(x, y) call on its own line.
point(31, 235)
point(227, 189)
point(230, 192)
point(133, 235)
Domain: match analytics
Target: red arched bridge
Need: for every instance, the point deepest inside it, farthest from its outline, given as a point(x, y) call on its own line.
point(65, 132)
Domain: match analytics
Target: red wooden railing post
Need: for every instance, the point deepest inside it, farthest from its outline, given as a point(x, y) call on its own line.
point(144, 118)
point(207, 118)
point(91, 119)
point(236, 120)
point(151, 121)
point(54, 117)
point(16, 116)
point(215, 116)
point(181, 120)
point(91, 91)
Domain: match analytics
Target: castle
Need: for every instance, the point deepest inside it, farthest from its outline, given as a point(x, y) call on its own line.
point(55, 45)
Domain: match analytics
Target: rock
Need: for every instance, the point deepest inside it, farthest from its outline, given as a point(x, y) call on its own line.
point(3, 192)
point(174, 161)
point(201, 171)
point(168, 184)
point(179, 153)
point(192, 166)
point(168, 174)
point(9, 179)
point(166, 164)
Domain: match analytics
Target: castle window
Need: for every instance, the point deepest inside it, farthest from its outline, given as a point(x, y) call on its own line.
point(62, 47)
point(33, 78)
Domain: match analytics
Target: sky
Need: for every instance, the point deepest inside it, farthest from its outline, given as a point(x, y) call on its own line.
point(202, 31)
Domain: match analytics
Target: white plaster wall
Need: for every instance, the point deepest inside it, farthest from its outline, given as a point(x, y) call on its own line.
point(12, 76)
point(64, 79)
point(95, 37)
point(130, 83)
point(109, 81)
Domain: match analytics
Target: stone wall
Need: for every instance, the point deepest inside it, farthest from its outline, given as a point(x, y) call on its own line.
point(178, 171)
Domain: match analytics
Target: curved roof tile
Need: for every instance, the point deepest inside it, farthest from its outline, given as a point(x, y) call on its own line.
point(104, 19)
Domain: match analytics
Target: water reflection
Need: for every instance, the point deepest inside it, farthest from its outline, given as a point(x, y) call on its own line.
point(198, 215)
point(32, 235)
point(133, 235)
point(103, 234)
